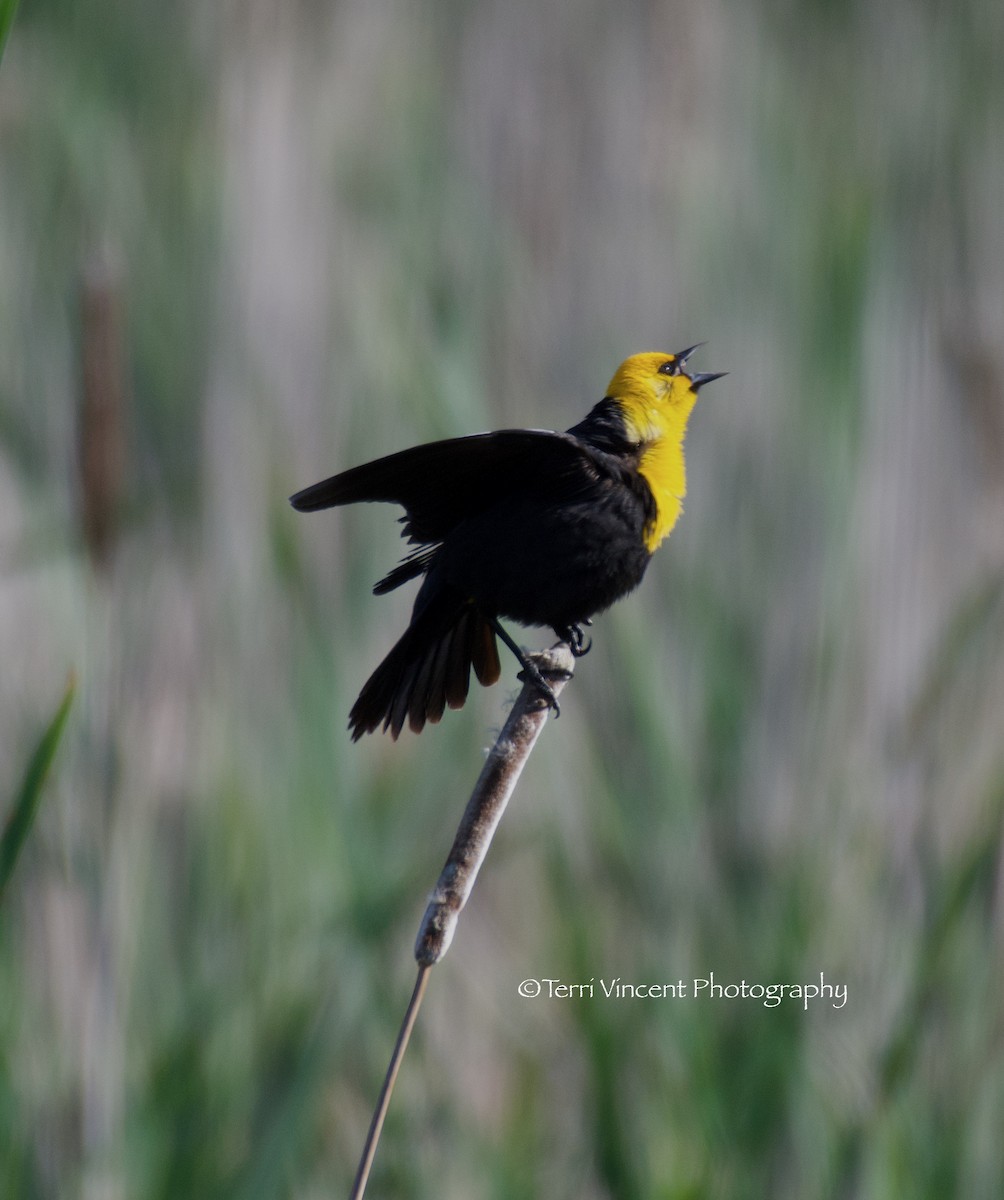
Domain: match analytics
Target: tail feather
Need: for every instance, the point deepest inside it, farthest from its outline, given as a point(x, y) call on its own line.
point(400, 702)
point(485, 654)
point(427, 669)
point(422, 693)
point(457, 664)
point(437, 699)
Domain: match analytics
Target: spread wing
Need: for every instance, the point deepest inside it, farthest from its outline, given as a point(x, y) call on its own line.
point(440, 483)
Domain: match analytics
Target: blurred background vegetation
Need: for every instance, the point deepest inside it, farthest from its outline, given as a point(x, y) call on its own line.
point(245, 245)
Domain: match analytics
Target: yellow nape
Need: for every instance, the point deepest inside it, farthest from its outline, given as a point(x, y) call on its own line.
point(656, 406)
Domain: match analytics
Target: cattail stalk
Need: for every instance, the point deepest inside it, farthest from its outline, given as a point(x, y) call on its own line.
point(488, 801)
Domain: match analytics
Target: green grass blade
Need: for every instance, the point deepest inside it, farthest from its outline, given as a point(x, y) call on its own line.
point(7, 10)
point(22, 815)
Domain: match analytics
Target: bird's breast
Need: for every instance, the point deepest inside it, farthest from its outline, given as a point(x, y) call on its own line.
point(547, 564)
point(662, 467)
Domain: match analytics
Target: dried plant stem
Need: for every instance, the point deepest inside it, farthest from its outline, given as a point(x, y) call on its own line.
point(383, 1103)
point(488, 801)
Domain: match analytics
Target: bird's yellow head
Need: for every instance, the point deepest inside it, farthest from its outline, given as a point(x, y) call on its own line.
point(656, 396)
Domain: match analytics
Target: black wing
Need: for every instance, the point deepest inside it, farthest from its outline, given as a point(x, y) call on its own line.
point(440, 483)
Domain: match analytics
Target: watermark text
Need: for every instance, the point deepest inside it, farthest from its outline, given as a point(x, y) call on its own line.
point(616, 988)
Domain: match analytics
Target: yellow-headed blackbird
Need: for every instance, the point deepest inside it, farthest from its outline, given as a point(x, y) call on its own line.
point(540, 527)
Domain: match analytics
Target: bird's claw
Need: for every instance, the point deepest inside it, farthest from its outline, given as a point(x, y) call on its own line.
point(532, 673)
point(578, 642)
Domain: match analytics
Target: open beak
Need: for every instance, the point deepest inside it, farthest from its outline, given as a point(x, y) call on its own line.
point(682, 357)
point(701, 378)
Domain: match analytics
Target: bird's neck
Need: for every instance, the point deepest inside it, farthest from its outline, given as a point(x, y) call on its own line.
point(604, 428)
point(663, 469)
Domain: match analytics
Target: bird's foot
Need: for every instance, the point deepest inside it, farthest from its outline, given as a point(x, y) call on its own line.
point(578, 642)
point(530, 669)
point(532, 672)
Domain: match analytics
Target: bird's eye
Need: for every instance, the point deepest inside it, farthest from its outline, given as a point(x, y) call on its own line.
point(670, 367)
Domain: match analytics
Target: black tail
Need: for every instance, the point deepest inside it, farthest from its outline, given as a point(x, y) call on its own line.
point(427, 669)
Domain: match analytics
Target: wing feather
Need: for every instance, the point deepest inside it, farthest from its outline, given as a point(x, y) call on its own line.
point(440, 483)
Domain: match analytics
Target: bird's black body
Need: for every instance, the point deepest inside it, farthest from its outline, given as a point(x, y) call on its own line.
point(542, 528)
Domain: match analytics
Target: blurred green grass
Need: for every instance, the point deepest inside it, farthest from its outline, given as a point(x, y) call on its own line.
point(20, 816)
point(327, 235)
point(8, 10)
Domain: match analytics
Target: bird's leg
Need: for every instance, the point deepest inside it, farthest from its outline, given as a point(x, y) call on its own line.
point(530, 669)
point(578, 642)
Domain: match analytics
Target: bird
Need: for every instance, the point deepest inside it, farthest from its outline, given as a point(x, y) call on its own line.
point(535, 526)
